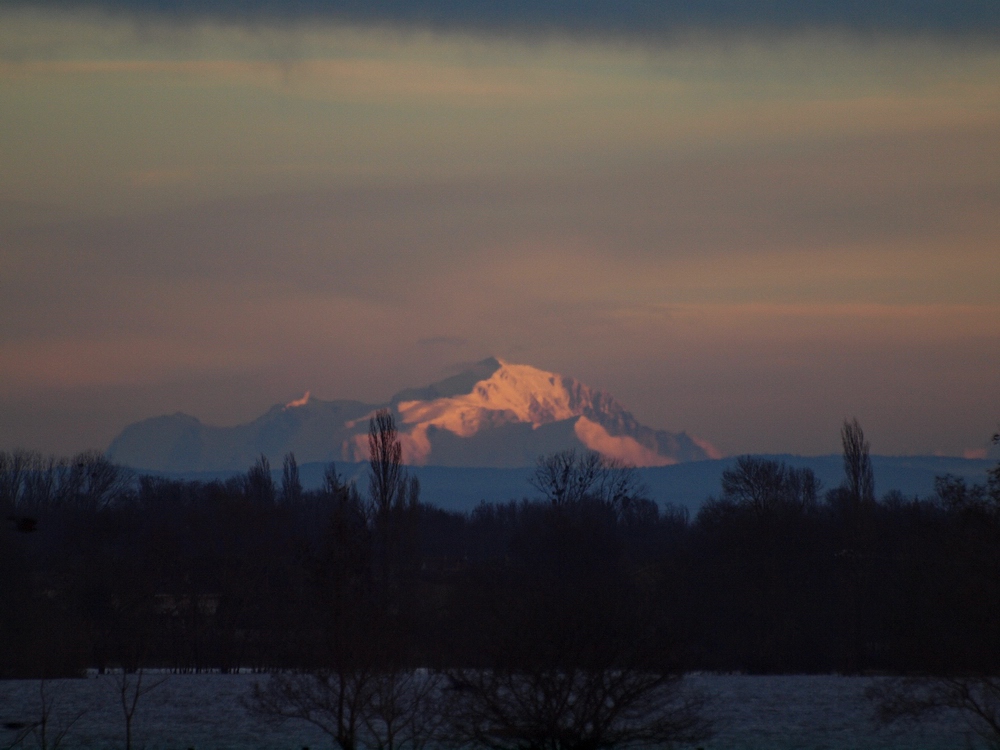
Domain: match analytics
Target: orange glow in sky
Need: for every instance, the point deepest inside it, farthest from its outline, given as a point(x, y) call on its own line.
point(750, 236)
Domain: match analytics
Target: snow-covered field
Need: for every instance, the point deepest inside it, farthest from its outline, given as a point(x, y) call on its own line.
point(204, 711)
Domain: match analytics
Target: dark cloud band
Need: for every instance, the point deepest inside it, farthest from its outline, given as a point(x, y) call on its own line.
point(630, 18)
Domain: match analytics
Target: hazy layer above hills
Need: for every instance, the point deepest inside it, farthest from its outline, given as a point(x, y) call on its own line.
point(496, 414)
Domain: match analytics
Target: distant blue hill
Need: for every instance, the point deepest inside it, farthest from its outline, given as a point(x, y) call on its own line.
point(686, 484)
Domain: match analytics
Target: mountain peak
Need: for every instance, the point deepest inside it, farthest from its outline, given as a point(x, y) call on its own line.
point(516, 394)
point(512, 393)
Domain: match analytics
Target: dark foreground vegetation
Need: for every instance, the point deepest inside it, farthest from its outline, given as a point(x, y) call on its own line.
point(102, 569)
point(590, 589)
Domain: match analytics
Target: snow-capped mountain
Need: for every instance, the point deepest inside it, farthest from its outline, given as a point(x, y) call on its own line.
point(495, 414)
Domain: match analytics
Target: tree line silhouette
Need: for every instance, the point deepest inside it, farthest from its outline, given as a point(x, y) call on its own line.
point(100, 568)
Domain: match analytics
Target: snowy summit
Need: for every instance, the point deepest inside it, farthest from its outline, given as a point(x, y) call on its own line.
point(495, 414)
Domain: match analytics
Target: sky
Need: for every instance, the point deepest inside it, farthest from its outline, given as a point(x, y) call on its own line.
point(748, 223)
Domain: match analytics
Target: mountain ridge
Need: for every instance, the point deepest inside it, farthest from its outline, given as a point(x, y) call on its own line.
point(495, 414)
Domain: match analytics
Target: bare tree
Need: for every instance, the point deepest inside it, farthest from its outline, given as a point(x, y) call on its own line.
point(993, 478)
point(386, 476)
point(130, 687)
point(91, 481)
point(855, 504)
point(917, 699)
point(860, 479)
point(40, 482)
point(14, 470)
point(333, 700)
point(764, 485)
point(291, 485)
point(393, 501)
point(259, 483)
point(357, 708)
point(574, 709)
point(32, 484)
point(45, 734)
point(405, 710)
point(567, 478)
